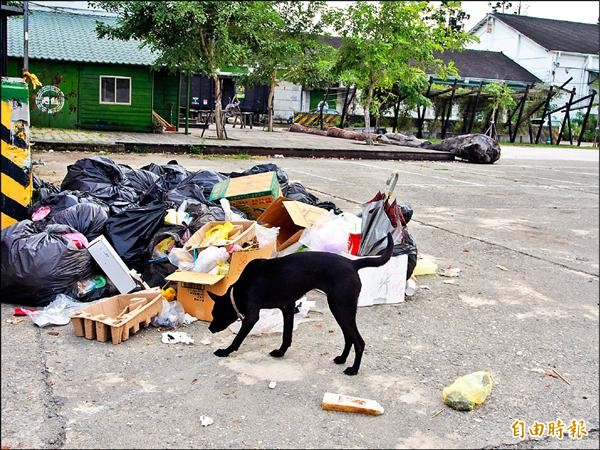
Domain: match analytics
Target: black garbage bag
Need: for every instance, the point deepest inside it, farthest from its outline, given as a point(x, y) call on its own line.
point(155, 272)
point(268, 167)
point(198, 185)
point(179, 234)
point(60, 201)
point(87, 218)
point(170, 174)
point(407, 212)
point(146, 184)
point(41, 189)
point(36, 266)
point(102, 178)
point(202, 214)
point(407, 247)
point(131, 230)
point(296, 191)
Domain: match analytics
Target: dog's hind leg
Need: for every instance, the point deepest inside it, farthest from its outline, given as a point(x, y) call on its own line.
point(247, 324)
point(346, 319)
point(288, 327)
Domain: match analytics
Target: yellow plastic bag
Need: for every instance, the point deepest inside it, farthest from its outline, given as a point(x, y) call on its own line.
point(218, 234)
point(425, 266)
point(468, 391)
point(169, 294)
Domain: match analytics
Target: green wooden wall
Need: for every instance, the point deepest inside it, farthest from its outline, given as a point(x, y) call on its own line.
point(134, 117)
point(166, 96)
point(63, 75)
point(80, 84)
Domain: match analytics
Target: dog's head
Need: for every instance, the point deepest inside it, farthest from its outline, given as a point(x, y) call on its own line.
point(223, 313)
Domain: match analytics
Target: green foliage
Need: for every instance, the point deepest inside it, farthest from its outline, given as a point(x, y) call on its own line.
point(502, 96)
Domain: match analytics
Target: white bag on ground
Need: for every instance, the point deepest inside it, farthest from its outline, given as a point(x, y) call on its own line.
point(329, 233)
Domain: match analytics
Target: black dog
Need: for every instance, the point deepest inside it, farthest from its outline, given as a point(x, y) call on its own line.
point(279, 282)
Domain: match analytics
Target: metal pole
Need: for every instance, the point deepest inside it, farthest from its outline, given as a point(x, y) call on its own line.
point(446, 121)
point(345, 107)
point(188, 86)
point(422, 118)
point(585, 119)
point(25, 36)
point(475, 107)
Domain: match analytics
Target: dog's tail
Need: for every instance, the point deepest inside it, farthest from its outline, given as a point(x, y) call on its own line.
point(376, 261)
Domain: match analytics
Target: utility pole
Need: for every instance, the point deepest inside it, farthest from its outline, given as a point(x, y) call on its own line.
point(25, 36)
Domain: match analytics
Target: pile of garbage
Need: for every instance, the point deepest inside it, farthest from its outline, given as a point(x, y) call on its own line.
point(160, 219)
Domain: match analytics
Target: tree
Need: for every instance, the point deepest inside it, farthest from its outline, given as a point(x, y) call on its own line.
point(503, 7)
point(188, 36)
point(288, 48)
point(395, 42)
point(502, 97)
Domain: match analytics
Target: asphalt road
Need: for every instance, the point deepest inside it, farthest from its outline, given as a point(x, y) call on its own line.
point(535, 214)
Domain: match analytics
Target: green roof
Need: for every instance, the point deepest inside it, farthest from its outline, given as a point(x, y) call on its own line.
point(70, 35)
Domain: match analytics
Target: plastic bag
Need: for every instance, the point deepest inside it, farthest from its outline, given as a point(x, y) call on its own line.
point(131, 231)
point(181, 258)
point(171, 315)
point(209, 258)
point(468, 391)
point(271, 320)
point(58, 312)
point(155, 272)
point(328, 234)
point(170, 174)
point(38, 266)
point(265, 236)
point(87, 218)
point(229, 214)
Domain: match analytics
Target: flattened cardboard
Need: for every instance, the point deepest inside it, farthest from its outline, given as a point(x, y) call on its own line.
point(292, 217)
point(251, 194)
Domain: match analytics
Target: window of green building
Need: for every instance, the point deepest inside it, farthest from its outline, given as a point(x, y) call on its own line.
point(115, 90)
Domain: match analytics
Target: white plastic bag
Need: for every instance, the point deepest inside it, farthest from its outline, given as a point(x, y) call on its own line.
point(265, 236)
point(58, 312)
point(230, 216)
point(271, 320)
point(328, 234)
point(172, 315)
point(209, 258)
point(181, 258)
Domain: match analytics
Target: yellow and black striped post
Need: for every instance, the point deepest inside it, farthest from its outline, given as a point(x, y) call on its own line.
point(307, 119)
point(16, 175)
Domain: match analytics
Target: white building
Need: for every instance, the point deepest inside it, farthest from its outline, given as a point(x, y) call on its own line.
point(552, 50)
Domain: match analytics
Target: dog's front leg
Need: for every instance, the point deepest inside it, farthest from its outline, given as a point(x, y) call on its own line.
point(288, 327)
point(247, 324)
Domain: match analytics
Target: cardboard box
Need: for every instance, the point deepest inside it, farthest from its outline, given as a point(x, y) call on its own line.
point(247, 234)
point(116, 318)
point(111, 263)
point(384, 284)
point(292, 217)
point(251, 194)
point(193, 287)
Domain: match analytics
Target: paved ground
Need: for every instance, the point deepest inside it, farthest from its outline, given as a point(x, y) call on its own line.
point(537, 217)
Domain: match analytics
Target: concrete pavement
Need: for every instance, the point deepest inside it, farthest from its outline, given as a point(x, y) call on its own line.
point(538, 218)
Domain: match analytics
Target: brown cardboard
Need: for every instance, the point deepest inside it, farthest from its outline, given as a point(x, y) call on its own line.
point(193, 287)
point(292, 217)
point(247, 234)
point(251, 194)
point(117, 317)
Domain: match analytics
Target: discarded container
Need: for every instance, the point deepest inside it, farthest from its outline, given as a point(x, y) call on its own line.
point(112, 264)
point(251, 194)
point(292, 218)
point(116, 318)
point(193, 287)
point(468, 391)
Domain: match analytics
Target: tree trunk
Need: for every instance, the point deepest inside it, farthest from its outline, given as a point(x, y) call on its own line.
point(218, 107)
point(270, 102)
point(368, 115)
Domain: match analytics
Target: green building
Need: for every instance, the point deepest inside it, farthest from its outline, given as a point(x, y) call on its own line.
point(89, 82)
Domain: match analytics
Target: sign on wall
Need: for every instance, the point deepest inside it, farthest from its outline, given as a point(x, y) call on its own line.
point(50, 99)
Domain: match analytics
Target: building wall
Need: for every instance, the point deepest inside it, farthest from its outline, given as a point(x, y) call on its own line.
point(549, 66)
point(165, 98)
point(134, 117)
point(287, 99)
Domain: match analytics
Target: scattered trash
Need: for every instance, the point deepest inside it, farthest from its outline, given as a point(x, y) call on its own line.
point(468, 391)
point(425, 266)
point(437, 413)
point(271, 320)
point(195, 380)
point(206, 421)
point(171, 315)
point(169, 294)
point(561, 376)
point(346, 403)
point(278, 156)
point(411, 287)
point(15, 320)
point(188, 319)
point(501, 267)
point(58, 312)
point(53, 333)
point(205, 341)
point(451, 272)
point(449, 282)
point(175, 337)
point(272, 384)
